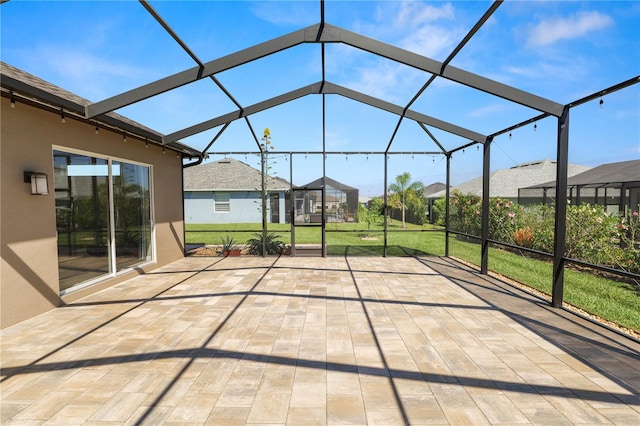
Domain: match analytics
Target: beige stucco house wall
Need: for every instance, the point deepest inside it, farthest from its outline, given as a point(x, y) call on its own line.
point(29, 282)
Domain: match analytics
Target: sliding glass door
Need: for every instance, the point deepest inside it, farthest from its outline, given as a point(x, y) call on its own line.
point(132, 211)
point(103, 217)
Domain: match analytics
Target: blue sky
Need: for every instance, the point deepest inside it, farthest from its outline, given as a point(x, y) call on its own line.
point(558, 50)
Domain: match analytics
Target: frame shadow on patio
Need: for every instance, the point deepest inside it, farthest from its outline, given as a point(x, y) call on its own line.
point(337, 340)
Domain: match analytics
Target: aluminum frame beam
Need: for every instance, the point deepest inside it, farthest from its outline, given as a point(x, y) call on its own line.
point(449, 72)
point(398, 110)
point(210, 68)
point(325, 88)
point(324, 33)
point(245, 112)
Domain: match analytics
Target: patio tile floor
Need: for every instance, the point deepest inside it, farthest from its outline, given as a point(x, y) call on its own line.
point(315, 341)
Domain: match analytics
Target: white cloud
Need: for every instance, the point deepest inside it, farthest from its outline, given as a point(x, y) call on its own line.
point(430, 41)
point(290, 13)
point(87, 74)
point(574, 70)
point(424, 29)
point(381, 81)
point(550, 31)
point(414, 14)
point(428, 35)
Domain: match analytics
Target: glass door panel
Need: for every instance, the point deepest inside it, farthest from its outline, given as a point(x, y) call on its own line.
point(132, 214)
point(82, 217)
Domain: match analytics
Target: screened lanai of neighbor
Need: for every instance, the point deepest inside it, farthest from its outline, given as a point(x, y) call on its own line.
point(313, 106)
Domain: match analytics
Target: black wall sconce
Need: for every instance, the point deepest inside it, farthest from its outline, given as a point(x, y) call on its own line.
point(38, 181)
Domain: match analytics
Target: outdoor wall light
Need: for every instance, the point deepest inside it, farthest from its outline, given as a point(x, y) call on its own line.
point(38, 181)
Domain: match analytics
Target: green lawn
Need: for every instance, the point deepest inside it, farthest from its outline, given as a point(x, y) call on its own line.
point(613, 300)
point(610, 299)
point(339, 236)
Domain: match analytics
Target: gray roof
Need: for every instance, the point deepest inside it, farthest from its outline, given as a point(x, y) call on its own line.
point(330, 182)
point(228, 174)
point(433, 188)
point(506, 182)
point(36, 91)
point(611, 175)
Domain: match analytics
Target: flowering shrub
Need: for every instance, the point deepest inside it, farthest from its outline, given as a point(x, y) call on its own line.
point(505, 217)
point(593, 235)
point(465, 213)
point(541, 219)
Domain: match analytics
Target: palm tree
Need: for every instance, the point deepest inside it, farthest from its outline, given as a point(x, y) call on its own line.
point(402, 189)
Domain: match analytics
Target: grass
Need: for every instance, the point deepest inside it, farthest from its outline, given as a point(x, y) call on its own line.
point(609, 299)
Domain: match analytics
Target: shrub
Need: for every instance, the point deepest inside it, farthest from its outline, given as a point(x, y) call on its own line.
point(541, 219)
point(505, 217)
point(465, 213)
point(523, 237)
point(592, 235)
point(273, 244)
point(628, 230)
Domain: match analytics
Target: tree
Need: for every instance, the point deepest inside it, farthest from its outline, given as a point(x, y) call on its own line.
point(370, 214)
point(403, 191)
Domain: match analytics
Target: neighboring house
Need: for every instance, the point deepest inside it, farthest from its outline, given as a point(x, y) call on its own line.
point(341, 201)
point(505, 183)
point(613, 185)
point(110, 206)
point(364, 201)
point(429, 190)
point(433, 188)
point(230, 191)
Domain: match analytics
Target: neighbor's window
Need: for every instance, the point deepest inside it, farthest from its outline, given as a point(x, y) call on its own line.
point(221, 202)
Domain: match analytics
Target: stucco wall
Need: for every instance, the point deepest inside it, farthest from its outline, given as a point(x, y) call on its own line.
point(29, 268)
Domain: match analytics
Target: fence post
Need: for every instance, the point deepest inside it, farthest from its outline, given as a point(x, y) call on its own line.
point(486, 168)
point(559, 238)
point(386, 207)
point(446, 205)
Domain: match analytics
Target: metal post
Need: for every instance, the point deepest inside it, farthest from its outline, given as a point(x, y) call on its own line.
point(386, 207)
point(559, 242)
point(292, 206)
point(623, 200)
point(486, 168)
point(264, 205)
point(324, 176)
point(446, 205)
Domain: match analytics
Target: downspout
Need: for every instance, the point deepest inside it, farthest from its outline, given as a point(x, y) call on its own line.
point(195, 163)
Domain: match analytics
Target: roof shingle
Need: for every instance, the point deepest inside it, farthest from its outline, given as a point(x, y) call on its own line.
point(228, 174)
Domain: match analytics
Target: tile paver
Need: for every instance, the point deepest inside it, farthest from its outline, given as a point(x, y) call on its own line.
point(311, 341)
